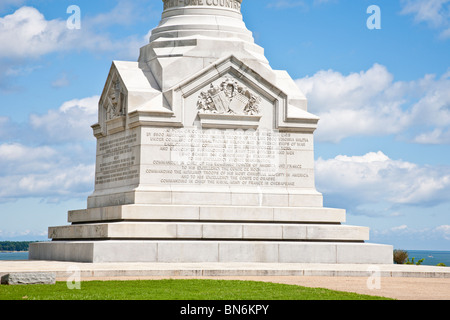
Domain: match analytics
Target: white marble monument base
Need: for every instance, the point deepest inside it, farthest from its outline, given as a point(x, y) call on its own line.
point(158, 233)
point(212, 251)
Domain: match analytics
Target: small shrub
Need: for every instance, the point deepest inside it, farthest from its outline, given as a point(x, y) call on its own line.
point(441, 264)
point(418, 263)
point(400, 256)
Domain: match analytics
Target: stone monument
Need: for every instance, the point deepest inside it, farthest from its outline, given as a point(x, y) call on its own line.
point(205, 154)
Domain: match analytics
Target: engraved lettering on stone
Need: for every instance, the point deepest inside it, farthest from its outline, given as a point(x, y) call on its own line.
point(227, 157)
point(231, 4)
point(117, 160)
point(229, 98)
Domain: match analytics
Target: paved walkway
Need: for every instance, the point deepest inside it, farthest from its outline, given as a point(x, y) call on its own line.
point(401, 288)
point(403, 282)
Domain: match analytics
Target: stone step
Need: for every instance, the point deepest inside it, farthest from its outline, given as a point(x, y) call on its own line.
point(212, 251)
point(208, 213)
point(207, 195)
point(226, 231)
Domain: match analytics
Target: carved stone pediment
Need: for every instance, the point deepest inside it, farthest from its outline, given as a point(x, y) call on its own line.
point(113, 106)
point(229, 98)
point(230, 93)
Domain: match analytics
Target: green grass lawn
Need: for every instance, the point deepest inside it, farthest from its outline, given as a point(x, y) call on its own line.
point(175, 290)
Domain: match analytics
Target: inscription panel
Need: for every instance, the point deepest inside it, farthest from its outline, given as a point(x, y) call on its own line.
point(117, 160)
point(263, 158)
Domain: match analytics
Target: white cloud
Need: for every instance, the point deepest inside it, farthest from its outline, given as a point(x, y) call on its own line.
point(124, 13)
point(55, 156)
point(42, 172)
point(436, 13)
point(404, 236)
point(346, 92)
point(26, 33)
point(88, 105)
point(431, 11)
point(62, 81)
point(445, 34)
point(355, 104)
point(400, 228)
point(372, 103)
point(71, 122)
point(8, 3)
point(58, 182)
point(437, 136)
point(16, 152)
point(31, 235)
point(433, 107)
point(444, 230)
point(4, 123)
point(21, 70)
point(375, 179)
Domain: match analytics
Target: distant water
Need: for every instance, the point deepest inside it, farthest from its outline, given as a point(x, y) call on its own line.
point(13, 256)
point(432, 258)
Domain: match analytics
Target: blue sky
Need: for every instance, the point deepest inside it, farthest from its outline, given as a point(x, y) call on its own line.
point(383, 95)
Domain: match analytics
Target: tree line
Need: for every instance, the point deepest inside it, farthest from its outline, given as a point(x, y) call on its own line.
point(15, 245)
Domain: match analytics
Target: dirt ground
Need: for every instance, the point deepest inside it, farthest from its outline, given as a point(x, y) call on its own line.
point(400, 288)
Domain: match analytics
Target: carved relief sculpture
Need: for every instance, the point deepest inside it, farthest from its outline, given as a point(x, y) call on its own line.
point(229, 98)
point(115, 102)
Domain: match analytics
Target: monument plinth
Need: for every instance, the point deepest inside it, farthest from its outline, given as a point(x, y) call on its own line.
point(205, 154)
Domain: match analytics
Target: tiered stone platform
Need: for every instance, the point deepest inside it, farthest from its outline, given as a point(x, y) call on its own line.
point(149, 233)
